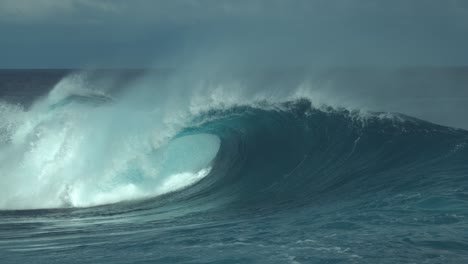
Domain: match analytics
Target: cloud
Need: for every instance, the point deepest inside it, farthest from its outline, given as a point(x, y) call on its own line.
point(269, 31)
point(182, 11)
point(31, 11)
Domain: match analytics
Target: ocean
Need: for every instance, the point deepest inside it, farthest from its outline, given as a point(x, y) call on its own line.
point(126, 166)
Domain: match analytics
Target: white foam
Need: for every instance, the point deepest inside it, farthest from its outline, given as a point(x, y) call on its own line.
point(86, 155)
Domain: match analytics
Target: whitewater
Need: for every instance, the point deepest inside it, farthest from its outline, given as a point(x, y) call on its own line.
point(119, 168)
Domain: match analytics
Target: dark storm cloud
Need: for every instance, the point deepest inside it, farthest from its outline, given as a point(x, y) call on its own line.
point(76, 33)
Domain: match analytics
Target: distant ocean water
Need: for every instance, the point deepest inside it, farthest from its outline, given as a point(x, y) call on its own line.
point(111, 168)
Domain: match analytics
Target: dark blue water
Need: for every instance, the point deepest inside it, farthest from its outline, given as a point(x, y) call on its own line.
point(290, 183)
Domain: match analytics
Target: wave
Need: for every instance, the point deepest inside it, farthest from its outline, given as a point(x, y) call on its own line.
point(80, 146)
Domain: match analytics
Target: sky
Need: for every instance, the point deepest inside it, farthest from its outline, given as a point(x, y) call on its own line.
point(258, 33)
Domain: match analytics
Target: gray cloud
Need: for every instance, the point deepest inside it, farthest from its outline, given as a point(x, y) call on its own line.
point(186, 10)
point(33, 11)
point(76, 33)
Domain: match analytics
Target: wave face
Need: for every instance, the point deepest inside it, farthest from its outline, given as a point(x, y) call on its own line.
point(267, 182)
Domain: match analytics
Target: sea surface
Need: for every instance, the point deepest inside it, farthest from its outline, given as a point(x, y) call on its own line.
point(122, 167)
